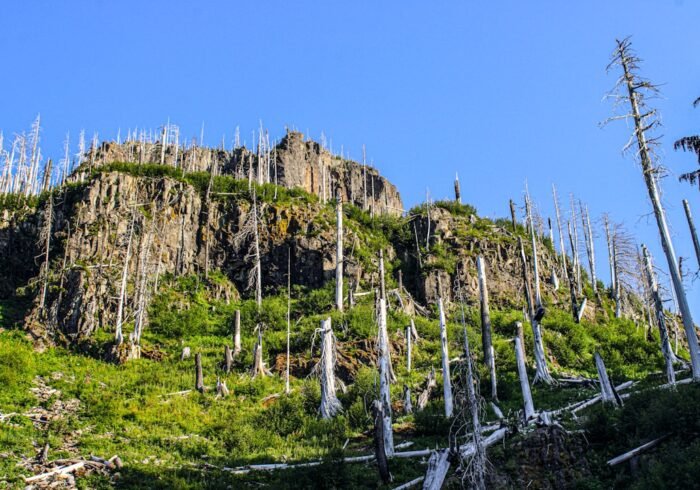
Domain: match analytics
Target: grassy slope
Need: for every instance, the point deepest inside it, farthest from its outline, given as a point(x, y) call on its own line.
point(165, 441)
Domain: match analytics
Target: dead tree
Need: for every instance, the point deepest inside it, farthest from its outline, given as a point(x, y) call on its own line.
point(430, 385)
point(562, 248)
point(458, 193)
point(221, 388)
point(611, 257)
point(119, 336)
point(634, 90)
point(339, 253)
point(384, 365)
point(607, 390)
point(528, 405)
point(446, 382)
point(438, 465)
point(330, 405)
point(228, 359)
point(409, 334)
point(380, 448)
point(669, 356)
point(513, 218)
point(693, 232)
point(289, 313)
point(237, 333)
point(486, 343)
point(576, 308)
point(476, 468)
point(249, 234)
point(199, 377)
point(258, 368)
point(407, 404)
point(590, 251)
point(46, 236)
point(535, 314)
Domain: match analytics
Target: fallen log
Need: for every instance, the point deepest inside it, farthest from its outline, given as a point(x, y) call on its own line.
point(634, 452)
point(410, 484)
point(438, 465)
point(60, 470)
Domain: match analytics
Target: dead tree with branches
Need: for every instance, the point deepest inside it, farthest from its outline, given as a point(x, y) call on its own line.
point(634, 90)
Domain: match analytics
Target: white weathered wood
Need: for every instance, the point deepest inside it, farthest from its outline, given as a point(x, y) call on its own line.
point(61, 470)
point(258, 265)
point(330, 405)
point(430, 385)
point(607, 392)
point(528, 404)
point(634, 87)
point(669, 356)
point(409, 335)
point(590, 251)
point(636, 451)
point(384, 365)
point(410, 484)
point(486, 342)
point(438, 465)
point(693, 232)
point(446, 381)
point(339, 254)
point(119, 336)
point(289, 312)
point(497, 411)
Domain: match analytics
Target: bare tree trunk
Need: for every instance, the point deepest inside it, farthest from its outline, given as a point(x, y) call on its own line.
point(529, 406)
point(258, 267)
point(408, 349)
point(407, 405)
point(669, 356)
point(339, 254)
point(228, 359)
point(693, 232)
point(607, 392)
point(458, 194)
point(48, 223)
point(641, 123)
point(237, 333)
point(427, 208)
point(590, 251)
point(207, 234)
point(199, 377)
point(119, 336)
point(486, 326)
point(384, 367)
point(438, 465)
point(330, 405)
point(562, 248)
point(430, 385)
point(289, 313)
point(446, 382)
point(611, 259)
point(380, 443)
point(258, 368)
point(513, 219)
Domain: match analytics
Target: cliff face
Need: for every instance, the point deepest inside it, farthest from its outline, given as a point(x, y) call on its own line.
point(293, 163)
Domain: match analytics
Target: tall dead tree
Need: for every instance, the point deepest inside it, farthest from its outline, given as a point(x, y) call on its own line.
point(574, 249)
point(458, 193)
point(330, 405)
point(634, 90)
point(693, 232)
point(46, 236)
point(198, 375)
point(118, 335)
point(669, 356)
point(384, 365)
point(446, 382)
point(562, 248)
point(611, 259)
point(237, 333)
point(535, 311)
point(607, 390)
point(339, 253)
point(486, 342)
point(590, 251)
point(258, 368)
point(289, 313)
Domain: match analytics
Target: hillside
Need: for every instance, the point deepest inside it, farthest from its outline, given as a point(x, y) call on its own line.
point(168, 246)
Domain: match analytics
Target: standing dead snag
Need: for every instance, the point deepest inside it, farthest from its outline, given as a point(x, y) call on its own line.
point(384, 366)
point(237, 333)
point(535, 314)
point(590, 252)
point(486, 343)
point(693, 232)
point(409, 334)
point(258, 368)
point(330, 405)
point(380, 448)
point(339, 253)
point(607, 390)
point(119, 336)
point(407, 404)
point(562, 248)
point(528, 405)
point(289, 313)
point(633, 89)
point(46, 236)
point(198, 376)
point(430, 385)
point(669, 356)
point(458, 193)
point(228, 359)
point(446, 382)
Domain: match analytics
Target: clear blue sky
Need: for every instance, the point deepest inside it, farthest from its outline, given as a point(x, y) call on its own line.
point(500, 91)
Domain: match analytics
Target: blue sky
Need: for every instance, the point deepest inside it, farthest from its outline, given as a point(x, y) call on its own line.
point(499, 91)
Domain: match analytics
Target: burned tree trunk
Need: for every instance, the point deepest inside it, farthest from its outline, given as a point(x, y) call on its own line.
point(590, 251)
point(644, 122)
point(430, 385)
point(330, 405)
point(380, 448)
point(289, 314)
point(258, 368)
point(486, 326)
point(228, 359)
point(446, 382)
point(528, 405)
point(407, 404)
point(458, 193)
point(46, 234)
point(562, 248)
